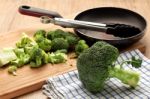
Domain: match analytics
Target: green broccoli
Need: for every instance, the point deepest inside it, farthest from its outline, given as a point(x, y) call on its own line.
point(72, 40)
point(25, 41)
point(12, 70)
point(57, 57)
point(56, 34)
point(80, 47)
point(41, 33)
point(38, 57)
point(42, 41)
point(58, 44)
point(22, 57)
point(45, 44)
point(96, 64)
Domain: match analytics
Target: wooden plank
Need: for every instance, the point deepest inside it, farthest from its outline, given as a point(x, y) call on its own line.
point(29, 79)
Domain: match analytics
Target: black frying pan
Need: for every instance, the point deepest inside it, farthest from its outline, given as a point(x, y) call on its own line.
point(103, 15)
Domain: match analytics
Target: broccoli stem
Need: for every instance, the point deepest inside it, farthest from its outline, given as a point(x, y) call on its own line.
point(128, 77)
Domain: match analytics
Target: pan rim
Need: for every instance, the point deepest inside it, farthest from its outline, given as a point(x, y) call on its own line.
point(117, 8)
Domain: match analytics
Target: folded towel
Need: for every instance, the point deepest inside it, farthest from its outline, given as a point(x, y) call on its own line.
point(68, 85)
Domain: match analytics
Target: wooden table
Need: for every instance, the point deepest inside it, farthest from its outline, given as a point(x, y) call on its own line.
point(11, 20)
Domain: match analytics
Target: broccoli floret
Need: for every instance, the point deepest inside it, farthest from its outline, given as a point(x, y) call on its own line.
point(96, 64)
point(72, 40)
point(45, 44)
point(80, 47)
point(56, 34)
point(25, 41)
point(38, 57)
point(57, 57)
point(58, 44)
point(40, 33)
point(42, 41)
point(22, 57)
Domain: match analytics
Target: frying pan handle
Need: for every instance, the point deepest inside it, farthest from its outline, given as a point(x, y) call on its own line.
point(37, 12)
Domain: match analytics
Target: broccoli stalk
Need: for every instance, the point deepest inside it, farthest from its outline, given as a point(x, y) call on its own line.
point(95, 66)
point(7, 55)
point(128, 77)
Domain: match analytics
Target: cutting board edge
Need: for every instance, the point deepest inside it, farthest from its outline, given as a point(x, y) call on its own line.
point(27, 89)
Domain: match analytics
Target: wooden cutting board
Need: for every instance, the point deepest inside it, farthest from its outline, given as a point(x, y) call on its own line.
point(29, 79)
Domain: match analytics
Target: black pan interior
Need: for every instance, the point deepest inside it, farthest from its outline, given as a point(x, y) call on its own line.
point(111, 15)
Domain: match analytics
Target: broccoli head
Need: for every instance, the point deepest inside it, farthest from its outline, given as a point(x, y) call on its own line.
point(96, 64)
point(80, 47)
point(58, 44)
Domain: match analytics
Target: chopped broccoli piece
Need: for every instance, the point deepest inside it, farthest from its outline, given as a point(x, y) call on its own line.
point(80, 47)
point(96, 64)
point(12, 70)
point(55, 58)
point(38, 57)
point(25, 41)
point(40, 33)
point(45, 44)
point(6, 56)
point(45, 57)
point(72, 40)
point(56, 34)
point(58, 44)
point(42, 41)
point(22, 57)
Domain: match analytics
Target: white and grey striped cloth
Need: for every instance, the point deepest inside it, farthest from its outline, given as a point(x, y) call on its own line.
point(68, 85)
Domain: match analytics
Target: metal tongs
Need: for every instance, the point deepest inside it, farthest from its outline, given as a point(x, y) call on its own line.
point(121, 30)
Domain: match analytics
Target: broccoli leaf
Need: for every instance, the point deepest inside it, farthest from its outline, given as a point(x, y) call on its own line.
point(136, 62)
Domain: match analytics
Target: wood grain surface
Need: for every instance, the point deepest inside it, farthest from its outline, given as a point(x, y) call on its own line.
point(11, 20)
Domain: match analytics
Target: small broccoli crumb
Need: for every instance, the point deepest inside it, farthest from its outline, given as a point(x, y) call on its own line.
point(12, 70)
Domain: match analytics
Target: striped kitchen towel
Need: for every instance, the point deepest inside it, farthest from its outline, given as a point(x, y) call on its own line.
point(68, 85)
